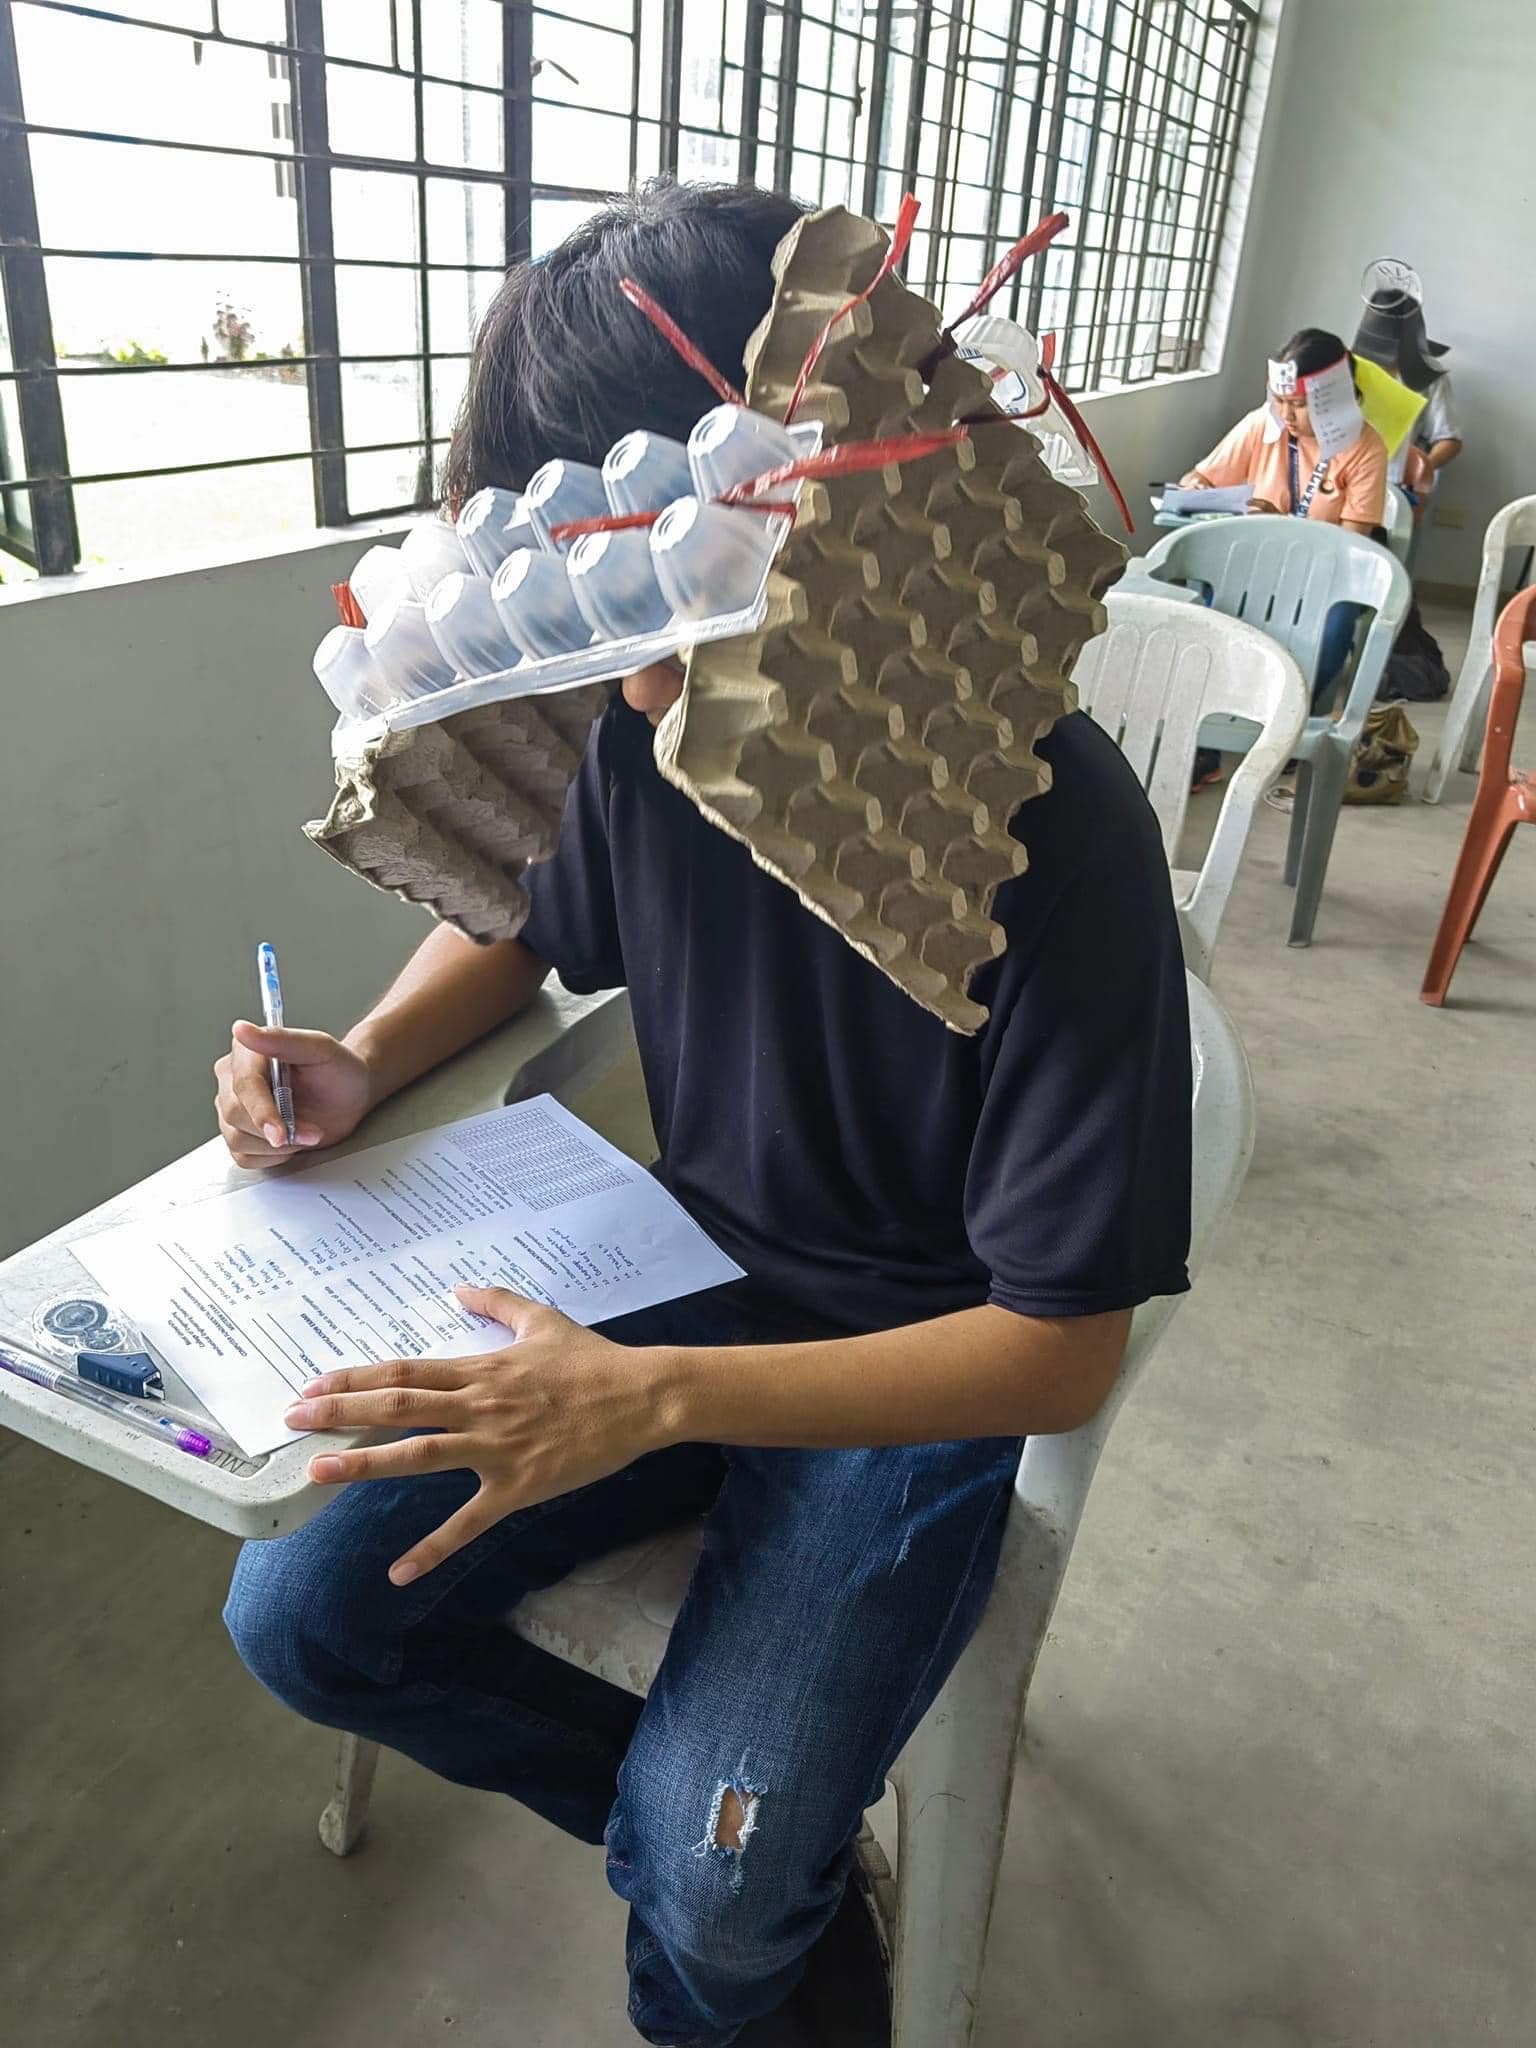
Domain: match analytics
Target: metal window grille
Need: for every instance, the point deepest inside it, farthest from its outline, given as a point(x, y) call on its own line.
point(374, 165)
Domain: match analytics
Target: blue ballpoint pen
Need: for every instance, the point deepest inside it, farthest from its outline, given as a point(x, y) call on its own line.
point(272, 1017)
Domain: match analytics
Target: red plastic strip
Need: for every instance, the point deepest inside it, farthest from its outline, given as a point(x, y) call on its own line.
point(1080, 427)
point(620, 522)
point(1027, 246)
point(901, 235)
point(847, 458)
point(690, 352)
point(347, 605)
point(609, 522)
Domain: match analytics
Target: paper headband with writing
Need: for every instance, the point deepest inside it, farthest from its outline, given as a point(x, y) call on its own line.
point(1330, 398)
point(1285, 381)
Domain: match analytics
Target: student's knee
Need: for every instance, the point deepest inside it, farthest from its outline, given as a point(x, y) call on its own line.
point(727, 1899)
point(293, 1615)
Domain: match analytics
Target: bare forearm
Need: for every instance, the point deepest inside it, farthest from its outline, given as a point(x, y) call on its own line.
point(981, 1372)
point(1442, 453)
point(449, 993)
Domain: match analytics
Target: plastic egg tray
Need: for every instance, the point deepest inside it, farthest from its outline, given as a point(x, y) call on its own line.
point(495, 607)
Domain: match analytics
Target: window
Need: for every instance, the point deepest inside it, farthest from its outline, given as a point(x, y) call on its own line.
point(248, 308)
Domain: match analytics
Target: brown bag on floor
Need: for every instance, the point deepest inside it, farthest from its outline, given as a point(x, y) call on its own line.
point(1378, 768)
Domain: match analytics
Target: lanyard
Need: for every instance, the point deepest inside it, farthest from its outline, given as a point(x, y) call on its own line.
point(1302, 505)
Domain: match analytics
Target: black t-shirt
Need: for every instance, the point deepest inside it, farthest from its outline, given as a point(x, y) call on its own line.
point(867, 1166)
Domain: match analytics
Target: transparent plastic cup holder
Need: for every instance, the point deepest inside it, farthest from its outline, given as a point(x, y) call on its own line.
point(490, 525)
point(401, 642)
point(462, 618)
point(560, 492)
point(713, 558)
point(645, 471)
point(614, 583)
point(732, 443)
point(349, 675)
point(430, 551)
point(538, 611)
point(379, 579)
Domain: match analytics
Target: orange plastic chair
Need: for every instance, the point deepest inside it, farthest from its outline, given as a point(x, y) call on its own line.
point(1506, 797)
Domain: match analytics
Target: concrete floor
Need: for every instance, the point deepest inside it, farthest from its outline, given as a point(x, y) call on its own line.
point(1278, 1788)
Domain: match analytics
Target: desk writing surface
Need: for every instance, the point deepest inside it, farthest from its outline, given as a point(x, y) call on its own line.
point(562, 1043)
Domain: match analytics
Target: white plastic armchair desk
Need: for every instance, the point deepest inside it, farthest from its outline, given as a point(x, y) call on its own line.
point(954, 1778)
point(1285, 576)
point(562, 1044)
point(1160, 671)
point(1461, 737)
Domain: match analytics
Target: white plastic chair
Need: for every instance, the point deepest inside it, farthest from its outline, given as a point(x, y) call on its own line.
point(954, 1778)
point(1285, 576)
point(1398, 523)
point(1461, 737)
point(1160, 671)
point(1136, 582)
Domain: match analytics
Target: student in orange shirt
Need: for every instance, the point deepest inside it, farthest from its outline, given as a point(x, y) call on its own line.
point(1275, 443)
point(1293, 467)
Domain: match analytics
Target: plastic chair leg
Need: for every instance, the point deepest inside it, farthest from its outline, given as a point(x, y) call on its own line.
point(1477, 725)
point(1461, 736)
point(1482, 850)
point(346, 1815)
point(954, 1795)
point(1329, 772)
point(1300, 805)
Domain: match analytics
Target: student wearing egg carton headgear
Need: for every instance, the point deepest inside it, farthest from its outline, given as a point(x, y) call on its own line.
point(909, 1002)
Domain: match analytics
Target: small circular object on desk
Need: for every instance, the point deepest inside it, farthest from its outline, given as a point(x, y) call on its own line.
point(79, 1322)
point(77, 1312)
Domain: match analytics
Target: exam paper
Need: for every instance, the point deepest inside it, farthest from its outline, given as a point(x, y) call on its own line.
point(1206, 498)
point(248, 1296)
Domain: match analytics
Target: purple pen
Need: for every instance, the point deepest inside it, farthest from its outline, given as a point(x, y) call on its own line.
point(141, 1414)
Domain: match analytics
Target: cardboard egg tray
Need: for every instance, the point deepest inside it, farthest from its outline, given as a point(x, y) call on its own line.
point(451, 815)
point(872, 739)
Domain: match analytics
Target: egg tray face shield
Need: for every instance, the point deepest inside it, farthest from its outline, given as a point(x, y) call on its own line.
point(869, 666)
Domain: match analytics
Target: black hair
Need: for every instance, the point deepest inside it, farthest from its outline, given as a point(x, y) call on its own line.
point(564, 365)
point(1312, 349)
point(1391, 332)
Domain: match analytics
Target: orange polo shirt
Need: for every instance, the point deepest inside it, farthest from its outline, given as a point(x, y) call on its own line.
point(1354, 485)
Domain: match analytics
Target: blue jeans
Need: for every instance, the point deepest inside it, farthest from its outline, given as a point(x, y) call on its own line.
point(833, 1594)
point(1333, 651)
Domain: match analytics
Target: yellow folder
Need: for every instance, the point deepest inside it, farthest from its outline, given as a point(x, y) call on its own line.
point(1390, 407)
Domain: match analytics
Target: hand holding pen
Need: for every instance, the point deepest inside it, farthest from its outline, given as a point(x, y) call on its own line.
point(332, 1091)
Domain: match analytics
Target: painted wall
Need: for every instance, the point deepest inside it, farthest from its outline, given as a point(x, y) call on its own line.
point(163, 741)
point(1404, 129)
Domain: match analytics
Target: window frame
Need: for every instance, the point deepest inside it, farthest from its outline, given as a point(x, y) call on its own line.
point(922, 54)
